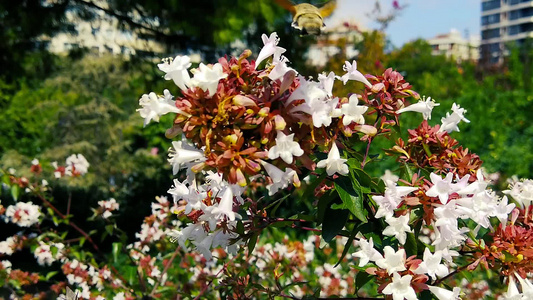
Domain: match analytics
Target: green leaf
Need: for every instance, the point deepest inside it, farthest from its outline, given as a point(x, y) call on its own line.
point(411, 246)
point(15, 191)
point(117, 248)
point(252, 242)
point(351, 200)
point(323, 205)
point(109, 229)
point(50, 275)
point(347, 245)
point(361, 279)
point(82, 241)
point(239, 228)
point(334, 221)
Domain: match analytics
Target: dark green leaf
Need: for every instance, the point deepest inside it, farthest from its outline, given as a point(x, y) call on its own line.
point(252, 242)
point(347, 245)
point(334, 221)
point(323, 204)
point(411, 245)
point(117, 249)
point(350, 199)
point(361, 279)
point(15, 191)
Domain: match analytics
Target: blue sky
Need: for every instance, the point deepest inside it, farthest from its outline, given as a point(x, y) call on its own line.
point(420, 19)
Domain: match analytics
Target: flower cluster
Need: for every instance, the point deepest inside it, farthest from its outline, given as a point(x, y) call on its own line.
point(106, 207)
point(75, 165)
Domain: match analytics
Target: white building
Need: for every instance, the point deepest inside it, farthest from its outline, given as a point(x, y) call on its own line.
point(453, 45)
point(504, 21)
point(100, 36)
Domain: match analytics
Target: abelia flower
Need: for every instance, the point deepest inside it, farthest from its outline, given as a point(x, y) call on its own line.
point(207, 78)
point(398, 227)
point(423, 106)
point(270, 48)
point(153, 106)
point(392, 261)
point(334, 163)
point(76, 165)
point(24, 214)
point(352, 112)
point(367, 252)
point(285, 148)
point(449, 123)
point(400, 288)
point(176, 70)
point(431, 265)
point(353, 74)
point(444, 294)
point(182, 154)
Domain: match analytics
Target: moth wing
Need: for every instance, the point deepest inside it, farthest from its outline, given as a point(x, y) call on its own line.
point(287, 4)
point(328, 8)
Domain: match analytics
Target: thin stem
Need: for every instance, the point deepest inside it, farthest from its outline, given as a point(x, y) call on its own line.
point(460, 269)
point(68, 203)
point(210, 282)
point(169, 262)
point(72, 224)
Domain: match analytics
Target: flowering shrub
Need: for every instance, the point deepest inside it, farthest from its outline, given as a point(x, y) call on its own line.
point(272, 198)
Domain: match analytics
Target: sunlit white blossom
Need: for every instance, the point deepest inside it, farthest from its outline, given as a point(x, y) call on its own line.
point(24, 214)
point(353, 112)
point(285, 148)
point(449, 123)
point(444, 294)
point(176, 69)
point(398, 227)
point(392, 261)
point(153, 106)
point(270, 48)
point(400, 288)
point(424, 106)
point(207, 77)
point(334, 163)
point(431, 265)
point(181, 154)
point(354, 74)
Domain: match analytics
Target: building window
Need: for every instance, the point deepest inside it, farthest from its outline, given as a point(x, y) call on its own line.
point(490, 19)
point(490, 5)
point(491, 33)
point(513, 2)
point(521, 13)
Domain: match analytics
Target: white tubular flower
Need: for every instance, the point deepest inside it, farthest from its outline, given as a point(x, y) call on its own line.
point(367, 252)
point(76, 164)
point(353, 74)
point(207, 78)
point(400, 288)
point(353, 112)
point(398, 227)
point(182, 153)
point(512, 291)
point(392, 261)
point(334, 163)
point(24, 214)
point(527, 286)
point(280, 68)
point(176, 69)
point(449, 123)
point(280, 179)
point(153, 106)
point(423, 106)
point(431, 265)
point(441, 188)
point(285, 148)
point(444, 294)
point(270, 48)
point(521, 191)
point(327, 81)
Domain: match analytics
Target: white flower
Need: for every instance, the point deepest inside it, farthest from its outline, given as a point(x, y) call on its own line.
point(334, 163)
point(449, 123)
point(512, 291)
point(441, 188)
point(423, 106)
point(8, 246)
point(444, 294)
point(353, 74)
point(285, 148)
point(119, 296)
point(176, 69)
point(527, 287)
point(280, 179)
point(183, 153)
point(280, 68)
point(270, 48)
point(502, 210)
point(153, 106)
point(35, 162)
point(431, 265)
point(326, 82)
point(76, 164)
point(398, 227)
point(353, 112)
point(400, 288)
point(521, 191)
point(207, 77)
point(367, 252)
point(24, 214)
point(392, 261)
